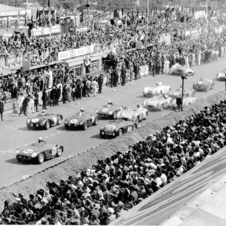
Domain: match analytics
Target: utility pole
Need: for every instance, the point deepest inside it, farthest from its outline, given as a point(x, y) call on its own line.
point(147, 25)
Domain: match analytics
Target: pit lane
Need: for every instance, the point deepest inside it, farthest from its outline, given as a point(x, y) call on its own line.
point(14, 133)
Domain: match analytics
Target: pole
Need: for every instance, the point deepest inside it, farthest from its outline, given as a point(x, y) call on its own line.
point(147, 27)
point(182, 95)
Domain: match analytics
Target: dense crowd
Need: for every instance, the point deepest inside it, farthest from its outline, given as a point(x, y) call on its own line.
point(99, 195)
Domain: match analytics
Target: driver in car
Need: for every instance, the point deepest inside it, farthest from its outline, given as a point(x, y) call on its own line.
point(110, 103)
point(40, 141)
point(82, 112)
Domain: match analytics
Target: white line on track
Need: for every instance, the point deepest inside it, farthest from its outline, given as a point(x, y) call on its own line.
point(46, 137)
point(10, 127)
point(59, 132)
point(126, 91)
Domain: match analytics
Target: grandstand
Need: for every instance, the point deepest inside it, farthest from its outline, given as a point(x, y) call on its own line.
point(195, 198)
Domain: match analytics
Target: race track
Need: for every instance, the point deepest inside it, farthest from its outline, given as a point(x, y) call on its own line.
point(14, 133)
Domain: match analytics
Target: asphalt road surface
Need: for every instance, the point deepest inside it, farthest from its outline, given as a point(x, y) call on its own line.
point(14, 133)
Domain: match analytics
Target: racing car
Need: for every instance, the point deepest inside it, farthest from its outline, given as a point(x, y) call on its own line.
point(39, 152)
point(44, 121)
point(79, 120)
point(177, 69)
point(186, 101)
point(133, 114)
point(158, 102)
point(109, 111)
point(221, 76)
point(178, 93)
point(157, 90)
point(203, 85)
point(116, 128)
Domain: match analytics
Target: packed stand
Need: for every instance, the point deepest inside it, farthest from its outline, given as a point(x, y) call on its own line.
point(99, 195)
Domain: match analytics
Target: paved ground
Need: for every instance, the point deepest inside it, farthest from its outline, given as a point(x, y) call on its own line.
point(14, 133)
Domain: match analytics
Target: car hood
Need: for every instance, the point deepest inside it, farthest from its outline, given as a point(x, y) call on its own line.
point(38, 119)
point(152, 101)
point(221, 74)
point(107, 109)
point(35, 148)
point(77, 118)
point(113, 125)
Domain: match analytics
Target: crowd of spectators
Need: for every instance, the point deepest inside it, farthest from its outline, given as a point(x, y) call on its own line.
point(99, 195)
point(124, 62)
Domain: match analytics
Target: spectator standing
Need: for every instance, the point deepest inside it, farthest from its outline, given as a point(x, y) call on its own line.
point(36, 100)
point(64, 94)
point(44, 99)
point(31, 108)
point(100, 83)
point(24, 106)
point(53, 97)
point(1, 108)
point(58, 94)
point(94, 86)
point(88, 87)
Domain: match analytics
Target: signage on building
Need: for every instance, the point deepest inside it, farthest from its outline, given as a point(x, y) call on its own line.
point(75, 52)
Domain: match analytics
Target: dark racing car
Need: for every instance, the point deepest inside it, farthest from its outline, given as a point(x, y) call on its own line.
point(79, 120)
point(109, 111)
point(44, 121)
point(117, 128)
point(39, 152)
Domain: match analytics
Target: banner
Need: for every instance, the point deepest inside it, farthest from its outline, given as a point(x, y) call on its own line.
point(10, 105)
point(144, 70)
point(46, 30)
point(75, 52)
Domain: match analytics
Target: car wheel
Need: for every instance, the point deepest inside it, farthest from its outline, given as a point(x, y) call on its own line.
point(59, 121)
point(41, 158)
point(95, 122)
point(85, 126)
point(47, 125)
point(120, 132)
point(146, 115)
point(66, 127)
point(18, 160)
point(59, 152)
point(114, 115)
point(102, 136)
point(29, 127)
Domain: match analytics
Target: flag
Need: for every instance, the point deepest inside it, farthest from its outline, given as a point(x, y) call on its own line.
point(25, 21)
point(37, 14)
point(50, 16)
point(116, 14)
point(81, 17)
point(18, 20)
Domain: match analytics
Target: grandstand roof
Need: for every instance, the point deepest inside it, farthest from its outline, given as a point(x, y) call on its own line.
point(195, 198)
point(8, 8)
